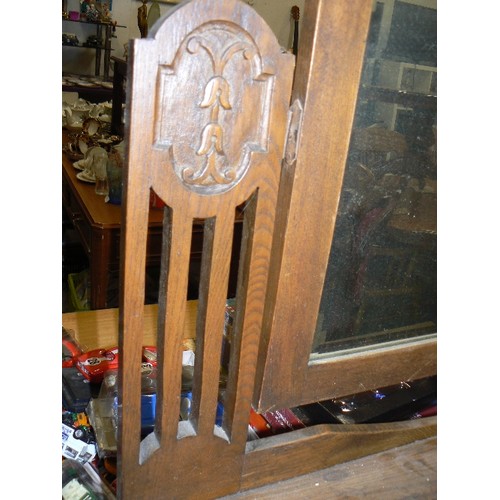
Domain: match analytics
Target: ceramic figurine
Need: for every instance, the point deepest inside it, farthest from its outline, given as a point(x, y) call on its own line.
point(106, 13)
point(142, 19)
point(92, 13)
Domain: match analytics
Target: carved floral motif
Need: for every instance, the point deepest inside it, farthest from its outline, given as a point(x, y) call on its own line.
point(217, 154)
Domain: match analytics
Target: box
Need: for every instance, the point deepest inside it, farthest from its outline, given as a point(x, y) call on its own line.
point(83, 482)
point(78, 439)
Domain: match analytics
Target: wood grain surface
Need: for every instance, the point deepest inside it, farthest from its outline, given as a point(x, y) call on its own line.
point(406, 472)
point(208, 94)
point(99, 328)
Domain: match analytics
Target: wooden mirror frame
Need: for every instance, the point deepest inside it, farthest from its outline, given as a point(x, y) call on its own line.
point(310, 192)
point(322, 110)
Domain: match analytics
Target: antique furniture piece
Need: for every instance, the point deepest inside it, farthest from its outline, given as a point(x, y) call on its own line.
point(207, 98)
point(98, 225)
point(212, 125)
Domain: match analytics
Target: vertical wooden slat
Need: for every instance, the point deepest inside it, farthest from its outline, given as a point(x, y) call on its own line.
point(171, 312)
point(235, 364)
point(132, 278)
point(217, 242)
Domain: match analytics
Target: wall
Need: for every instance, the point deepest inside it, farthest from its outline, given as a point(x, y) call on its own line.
point(276, 13)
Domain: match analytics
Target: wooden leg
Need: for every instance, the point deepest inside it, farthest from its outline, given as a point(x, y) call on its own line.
point(99, 268)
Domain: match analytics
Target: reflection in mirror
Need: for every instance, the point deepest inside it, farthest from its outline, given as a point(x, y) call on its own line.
point(380, 284)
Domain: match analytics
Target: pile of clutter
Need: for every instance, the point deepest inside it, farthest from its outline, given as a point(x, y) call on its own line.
point(90, 409)
point(96, 153)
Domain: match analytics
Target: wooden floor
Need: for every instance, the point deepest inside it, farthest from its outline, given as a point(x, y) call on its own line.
point(408, 472)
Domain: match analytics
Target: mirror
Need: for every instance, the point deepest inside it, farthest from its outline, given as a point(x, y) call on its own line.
point(380, 285)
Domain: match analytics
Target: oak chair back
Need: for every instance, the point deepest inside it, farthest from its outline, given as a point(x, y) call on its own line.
point(207, 102)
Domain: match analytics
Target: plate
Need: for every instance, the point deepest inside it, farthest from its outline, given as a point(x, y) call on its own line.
point(83, 177)
point(107, 85)
point(110, 139)
point(86, 84)
point(78, 165)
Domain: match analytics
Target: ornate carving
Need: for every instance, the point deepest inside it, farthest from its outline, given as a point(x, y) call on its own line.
point(225, 109)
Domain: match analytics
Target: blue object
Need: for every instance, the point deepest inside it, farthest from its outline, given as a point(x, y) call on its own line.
point(148, 410)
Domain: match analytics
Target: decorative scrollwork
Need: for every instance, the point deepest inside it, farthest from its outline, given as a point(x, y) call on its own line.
point(222, 153)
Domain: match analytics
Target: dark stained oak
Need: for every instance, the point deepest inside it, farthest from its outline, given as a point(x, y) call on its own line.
point(98, 226)
point(408, 471)
point(326, 85)
point(305, 450)
point(207, 102)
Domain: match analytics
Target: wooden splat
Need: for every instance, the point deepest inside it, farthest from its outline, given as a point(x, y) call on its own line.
point(207, 102)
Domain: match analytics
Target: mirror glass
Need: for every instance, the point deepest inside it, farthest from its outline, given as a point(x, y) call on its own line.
point(380, 284)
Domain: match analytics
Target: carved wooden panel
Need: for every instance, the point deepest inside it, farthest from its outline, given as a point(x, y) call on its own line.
point(226, 107)
point(206, 122)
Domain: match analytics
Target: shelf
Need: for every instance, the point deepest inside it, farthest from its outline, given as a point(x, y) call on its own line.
point(91, 94)
point(108, 28)
point(83, 21)
point(401, 97)
point(81, 46)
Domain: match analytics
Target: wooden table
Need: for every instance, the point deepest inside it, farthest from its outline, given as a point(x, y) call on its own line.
point(99, 329)
point(98, 226)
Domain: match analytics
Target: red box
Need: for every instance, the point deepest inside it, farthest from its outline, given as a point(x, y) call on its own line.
point(283, 420)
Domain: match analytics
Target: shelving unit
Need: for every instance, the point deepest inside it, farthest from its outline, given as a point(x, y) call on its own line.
point(402, 78)
point(104, 31)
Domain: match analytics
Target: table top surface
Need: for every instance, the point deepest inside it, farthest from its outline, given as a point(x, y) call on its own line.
point(98, 329)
